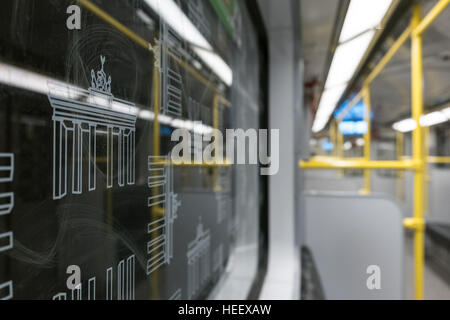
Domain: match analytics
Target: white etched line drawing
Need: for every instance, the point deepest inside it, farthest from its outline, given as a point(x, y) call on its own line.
point(126, 279)
point(126, 283)
point(80, 114)
point(6, 203)
point(6, 175)
point(199, 112)
point(77, 293)
point(60, 296)
point(109, 283)
point(196, 13)
point(8, 243)
point(120, 281)
point(223, 202)
point(176, 295)
point(222, 195)
point(6, 206)
point(160, 181)
point(172, 82)
point(198, 256)
point(218, 258)
point(131, 279)
point(9, 287)
point(6, 170)
point(91, 288)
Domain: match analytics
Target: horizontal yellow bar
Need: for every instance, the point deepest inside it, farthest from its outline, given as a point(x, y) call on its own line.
point(330, 158)
point(359, 164)
point(414, 223)
point(430, 17)
point(433, 159)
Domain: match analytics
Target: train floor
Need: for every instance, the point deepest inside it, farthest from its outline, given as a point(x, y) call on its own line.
point(436, 288)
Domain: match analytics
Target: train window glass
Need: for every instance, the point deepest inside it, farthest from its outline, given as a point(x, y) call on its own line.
point(91, 205)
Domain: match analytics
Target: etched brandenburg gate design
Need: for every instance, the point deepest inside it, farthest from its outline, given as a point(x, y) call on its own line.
point(85, 115)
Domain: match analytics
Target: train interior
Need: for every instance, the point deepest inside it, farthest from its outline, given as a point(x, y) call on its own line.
point(224, 149)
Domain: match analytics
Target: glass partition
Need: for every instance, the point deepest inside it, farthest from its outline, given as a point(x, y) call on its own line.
point(91, 92)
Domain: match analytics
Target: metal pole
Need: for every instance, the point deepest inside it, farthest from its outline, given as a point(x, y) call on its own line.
point(339, 146)
point(418, 154)
point(367, 138)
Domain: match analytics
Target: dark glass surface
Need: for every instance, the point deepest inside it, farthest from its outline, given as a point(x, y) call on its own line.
point(74, 154)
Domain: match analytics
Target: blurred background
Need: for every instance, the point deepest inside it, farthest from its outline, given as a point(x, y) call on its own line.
point(92, 207)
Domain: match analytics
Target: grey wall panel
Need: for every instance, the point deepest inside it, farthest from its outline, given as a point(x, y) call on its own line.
point(383, 184)
point(282, 279)
point(349, 233)
point(318, 180)
point(438, 195)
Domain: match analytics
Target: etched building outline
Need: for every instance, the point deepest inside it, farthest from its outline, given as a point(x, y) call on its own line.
point(80, 114)
point(223, 195)
point(126, 282)
point(172, 81)
point(6, 207)
point(218, 258)
point(6, 167)
point(6, 175)
point(165, 202)
point(8, 286)
point(176, 295)
point(223, 206)
point(198, 256)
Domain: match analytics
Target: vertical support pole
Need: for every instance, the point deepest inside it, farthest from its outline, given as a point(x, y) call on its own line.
point(121, 156)
point(156, 210)
point(121, 281)
point(156, 108)
point(367, 138)
point(132, 155)
point(418, 156)
point(339, 146)
point(333, 137)
point(77, 159)
point(92, 157)
point(216, 144)
point(59, 160)
point(109, 157)
point(399, 190)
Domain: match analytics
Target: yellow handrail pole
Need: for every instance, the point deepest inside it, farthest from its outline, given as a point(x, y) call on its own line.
point(339, 145)
point(400, 174)
point(435, 159)
point(339, 164)
point(418, 160)
point(333, 136)
point(156, 108)
point(367, 138)
point(216, 145)
point(418, 155)
point(379, 67)
point(147, 45)
point(430, 17)
point(388, 56)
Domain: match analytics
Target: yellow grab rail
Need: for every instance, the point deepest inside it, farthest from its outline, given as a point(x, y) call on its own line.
point(417, 163)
